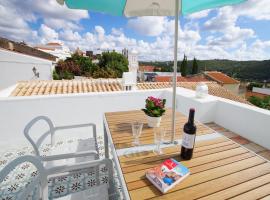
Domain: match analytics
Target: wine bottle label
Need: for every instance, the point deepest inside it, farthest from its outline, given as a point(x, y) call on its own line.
point(188, 141)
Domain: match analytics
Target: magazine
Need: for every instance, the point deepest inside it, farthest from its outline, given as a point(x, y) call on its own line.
point(167, 175)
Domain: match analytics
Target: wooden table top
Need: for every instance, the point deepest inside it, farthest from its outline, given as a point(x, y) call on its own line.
point(220, 168)
point(120, 127)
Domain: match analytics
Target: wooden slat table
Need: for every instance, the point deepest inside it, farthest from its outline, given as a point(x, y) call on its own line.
point(120, 127)
point(220, 168)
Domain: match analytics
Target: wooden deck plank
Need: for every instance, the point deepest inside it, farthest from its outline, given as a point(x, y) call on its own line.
point(195, 179)
point(210, 187)
point(220, 168)
point(174, 149)
point(176, 154)
point(238, 189)
point(197, 168)
point(194, 167)
point(255, 194)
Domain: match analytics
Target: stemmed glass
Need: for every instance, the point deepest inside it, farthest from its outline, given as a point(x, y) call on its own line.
point(159, 134)
point(136, 132)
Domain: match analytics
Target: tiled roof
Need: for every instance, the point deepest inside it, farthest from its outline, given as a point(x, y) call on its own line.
point(146, 68)
point(180, 79)
point(45, 48)
point(31, 88)
point(10, 45)
point(255, 94)
point(54, 44)
point(220, 77)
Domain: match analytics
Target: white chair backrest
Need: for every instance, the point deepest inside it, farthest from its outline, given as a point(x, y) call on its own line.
point(36, 144)
point(39, 182)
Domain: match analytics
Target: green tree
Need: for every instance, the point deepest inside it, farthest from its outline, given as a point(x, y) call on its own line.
point(86, 66)
point(195, 67)
point(260, 102)
point(114, 61)
point(183, 67)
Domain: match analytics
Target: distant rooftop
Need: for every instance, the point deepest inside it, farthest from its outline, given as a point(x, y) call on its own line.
point(220, 77)
point(31, 88)
point(10, 45)
point(54, 44)
point(181, 79)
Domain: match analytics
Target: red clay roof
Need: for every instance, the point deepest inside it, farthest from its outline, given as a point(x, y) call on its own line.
point(147, 68)
point(45, 48)
point(220, 77)
point(54, 44)
point(180, 79)
point(255, 94)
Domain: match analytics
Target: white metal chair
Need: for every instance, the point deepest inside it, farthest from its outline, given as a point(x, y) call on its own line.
point(56, 157)
point(38, 187)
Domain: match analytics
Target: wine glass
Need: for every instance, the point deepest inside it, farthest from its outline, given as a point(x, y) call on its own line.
point(159, 134)
point(136, 132)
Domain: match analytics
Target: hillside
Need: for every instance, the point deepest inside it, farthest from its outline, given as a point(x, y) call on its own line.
point(243, 70)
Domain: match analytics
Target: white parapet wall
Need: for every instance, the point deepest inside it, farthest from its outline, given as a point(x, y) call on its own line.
point(248, 121)
point(261, 90)
point(16, 112)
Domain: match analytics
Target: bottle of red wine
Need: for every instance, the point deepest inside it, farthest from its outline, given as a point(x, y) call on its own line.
point(189, 135)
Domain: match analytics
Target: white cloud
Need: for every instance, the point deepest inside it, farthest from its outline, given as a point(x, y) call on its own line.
point(255, 9)
point(199, 15)
point(225, 38)
point(69, 35)
point(47, 34)
point(149, 26)
point(15, 16)
point(116, 31)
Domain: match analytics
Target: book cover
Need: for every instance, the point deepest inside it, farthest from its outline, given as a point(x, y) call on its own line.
point(167, 175)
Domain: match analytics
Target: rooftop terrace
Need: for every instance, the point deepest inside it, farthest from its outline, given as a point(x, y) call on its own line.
point(84, 101)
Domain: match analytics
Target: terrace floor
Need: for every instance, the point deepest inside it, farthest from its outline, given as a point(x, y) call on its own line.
point(240, 140)
point(16, 182)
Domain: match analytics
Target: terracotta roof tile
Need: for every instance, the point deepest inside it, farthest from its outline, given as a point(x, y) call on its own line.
point(31, 88)
point(220, 77)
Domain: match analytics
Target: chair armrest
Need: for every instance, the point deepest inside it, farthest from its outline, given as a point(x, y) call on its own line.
point(78, 126)
point(69, 155)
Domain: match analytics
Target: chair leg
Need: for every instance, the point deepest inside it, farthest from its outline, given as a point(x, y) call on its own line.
point(106, 144)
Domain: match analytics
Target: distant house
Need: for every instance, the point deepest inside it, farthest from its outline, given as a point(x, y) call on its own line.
point(20, 62)
point(226, 81)
point(258, 92)
point(22, 67)
point(169, 78)
point(59, 50)
point(146, 68)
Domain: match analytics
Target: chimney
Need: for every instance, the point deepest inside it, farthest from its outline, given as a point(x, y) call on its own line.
point(129, 81)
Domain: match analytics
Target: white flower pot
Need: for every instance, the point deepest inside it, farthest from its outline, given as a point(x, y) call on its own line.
point(153, 121)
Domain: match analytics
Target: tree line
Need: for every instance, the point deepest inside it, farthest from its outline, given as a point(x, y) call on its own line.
point(110, 65)
point(242, 70)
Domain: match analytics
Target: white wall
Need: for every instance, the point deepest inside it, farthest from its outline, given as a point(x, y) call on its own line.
point(234, 88)
point(185, 99)
point(261, 90)
point(248, 121)
point(15, 112)
point(16, 67)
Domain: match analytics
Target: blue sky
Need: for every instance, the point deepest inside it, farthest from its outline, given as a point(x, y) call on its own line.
point(239, 32)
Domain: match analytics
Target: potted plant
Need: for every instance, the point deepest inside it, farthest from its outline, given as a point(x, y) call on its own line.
point(154, 109)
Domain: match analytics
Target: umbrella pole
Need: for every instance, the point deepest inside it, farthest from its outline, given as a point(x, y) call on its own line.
point(175, 71)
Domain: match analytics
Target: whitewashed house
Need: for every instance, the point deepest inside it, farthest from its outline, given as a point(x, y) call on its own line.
point(16, 67)
point(54, 48)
